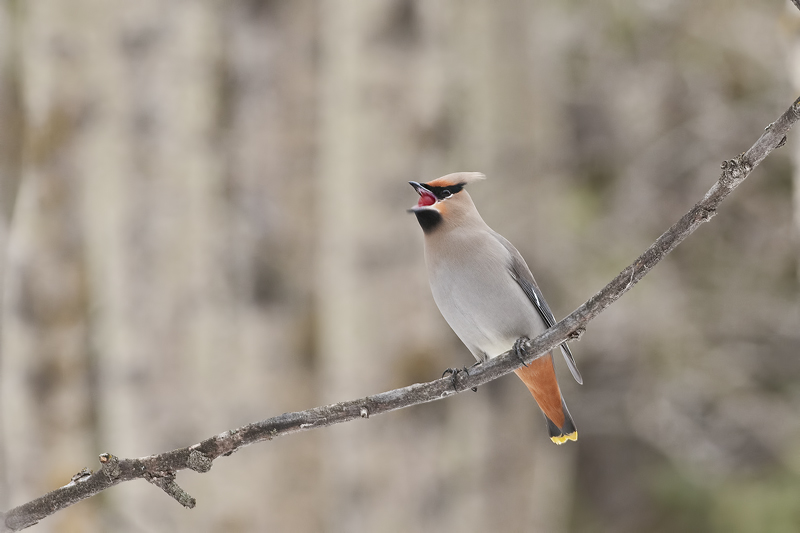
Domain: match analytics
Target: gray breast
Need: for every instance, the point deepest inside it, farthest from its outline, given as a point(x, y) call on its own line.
point(473, 287)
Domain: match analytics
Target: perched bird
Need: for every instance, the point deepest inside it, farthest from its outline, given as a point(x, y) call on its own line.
point(486, 292)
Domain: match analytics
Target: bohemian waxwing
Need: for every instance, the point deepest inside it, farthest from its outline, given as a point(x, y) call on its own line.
point(486, 292)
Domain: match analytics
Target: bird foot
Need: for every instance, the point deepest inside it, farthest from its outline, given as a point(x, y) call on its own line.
point(454, 372)
point(454, 376)
point(519, 351)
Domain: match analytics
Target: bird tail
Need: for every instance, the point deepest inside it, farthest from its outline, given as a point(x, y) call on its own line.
point(540, 378)
point(566, 432)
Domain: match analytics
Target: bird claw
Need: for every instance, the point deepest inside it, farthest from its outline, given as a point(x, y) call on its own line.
point(454, 372)
point(454, 379)
point(519, 351)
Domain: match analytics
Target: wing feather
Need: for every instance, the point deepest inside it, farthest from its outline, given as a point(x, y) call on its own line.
point(522, 275)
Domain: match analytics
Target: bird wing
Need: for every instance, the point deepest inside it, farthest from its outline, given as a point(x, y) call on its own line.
point(522, 275)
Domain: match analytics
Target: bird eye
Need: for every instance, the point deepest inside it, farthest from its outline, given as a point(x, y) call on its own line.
point(446, 194)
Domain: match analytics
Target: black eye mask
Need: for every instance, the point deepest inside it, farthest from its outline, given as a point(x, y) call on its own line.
point(441, 192)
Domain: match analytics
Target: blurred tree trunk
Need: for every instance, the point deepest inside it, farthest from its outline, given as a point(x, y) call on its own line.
point(267, 128)
point(198, 243)
point(10, 156)
point(46, 380)
point(152, 214)
point(343, 360)
point(11, 117)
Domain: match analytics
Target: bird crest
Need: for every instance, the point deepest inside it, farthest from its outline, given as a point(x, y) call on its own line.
point(457, 178)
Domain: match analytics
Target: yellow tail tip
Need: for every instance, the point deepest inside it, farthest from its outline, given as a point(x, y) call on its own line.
point(564, 438)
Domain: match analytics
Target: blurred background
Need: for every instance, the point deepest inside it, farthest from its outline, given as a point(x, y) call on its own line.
point(202, 224)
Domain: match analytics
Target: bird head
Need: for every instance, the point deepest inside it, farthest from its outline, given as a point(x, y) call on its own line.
point(444, 200)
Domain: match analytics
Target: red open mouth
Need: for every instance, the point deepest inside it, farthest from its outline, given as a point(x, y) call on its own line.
point(425, 198)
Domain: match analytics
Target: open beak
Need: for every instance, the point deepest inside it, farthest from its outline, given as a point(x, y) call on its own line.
point(426, 197)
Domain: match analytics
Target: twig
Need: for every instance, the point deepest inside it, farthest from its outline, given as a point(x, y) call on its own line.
point(161, 469)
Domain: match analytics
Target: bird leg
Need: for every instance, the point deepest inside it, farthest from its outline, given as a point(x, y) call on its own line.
point(477, 363)
point(519, 351)
point(454, 373)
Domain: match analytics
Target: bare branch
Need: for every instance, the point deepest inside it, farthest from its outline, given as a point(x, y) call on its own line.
point(160, 469)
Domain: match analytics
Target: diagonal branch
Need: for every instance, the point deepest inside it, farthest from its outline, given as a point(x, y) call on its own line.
point(160, 469)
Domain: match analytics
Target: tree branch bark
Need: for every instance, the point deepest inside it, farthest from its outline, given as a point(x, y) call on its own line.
point(160, 469)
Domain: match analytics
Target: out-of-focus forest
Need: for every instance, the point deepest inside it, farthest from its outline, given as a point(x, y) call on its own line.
point(202, 224)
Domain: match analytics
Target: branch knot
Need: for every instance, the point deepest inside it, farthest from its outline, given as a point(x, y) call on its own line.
point(577, 334)
point(706, 214)
point(110, 465)
point(80, 477)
